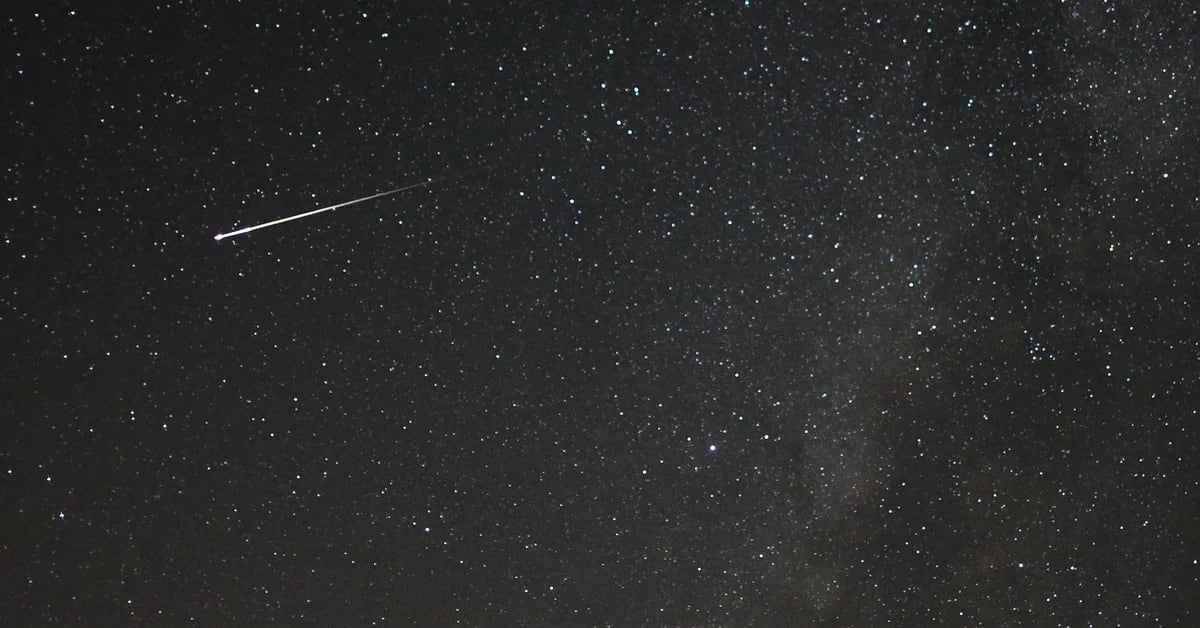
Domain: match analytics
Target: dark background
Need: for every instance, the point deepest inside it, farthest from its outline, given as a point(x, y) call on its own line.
point(757, 315)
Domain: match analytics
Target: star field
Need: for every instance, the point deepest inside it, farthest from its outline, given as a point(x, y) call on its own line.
point(739, 314)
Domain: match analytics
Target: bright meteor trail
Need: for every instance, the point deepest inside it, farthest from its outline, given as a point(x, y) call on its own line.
point(280, 221)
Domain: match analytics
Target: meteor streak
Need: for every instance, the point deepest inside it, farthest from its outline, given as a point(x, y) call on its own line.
point(280, 221)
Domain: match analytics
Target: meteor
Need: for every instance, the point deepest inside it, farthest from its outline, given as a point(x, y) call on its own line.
point(280, 221)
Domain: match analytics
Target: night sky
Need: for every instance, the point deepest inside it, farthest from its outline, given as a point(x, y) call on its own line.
point(730, 314)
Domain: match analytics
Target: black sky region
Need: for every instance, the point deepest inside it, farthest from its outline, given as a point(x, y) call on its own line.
point(741, 313)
